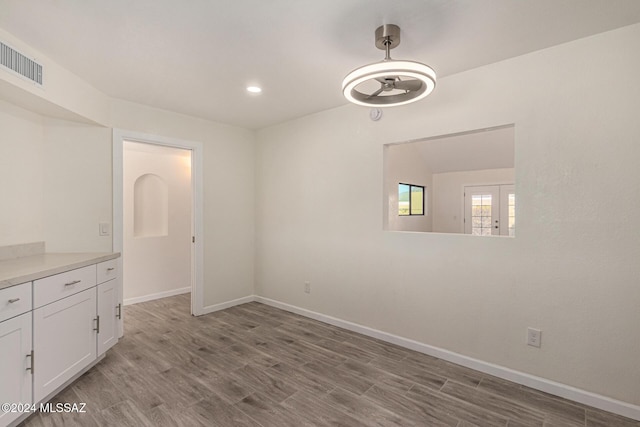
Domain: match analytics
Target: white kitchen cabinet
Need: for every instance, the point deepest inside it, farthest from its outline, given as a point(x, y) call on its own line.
point(58, 316)
point(109, 304)
point(108, 311)
point(15, 363)
point(64, 341)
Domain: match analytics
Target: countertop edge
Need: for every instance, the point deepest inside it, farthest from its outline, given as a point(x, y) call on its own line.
point(57, 263)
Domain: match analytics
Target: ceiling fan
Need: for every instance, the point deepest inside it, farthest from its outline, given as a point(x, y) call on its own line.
point(389, 82)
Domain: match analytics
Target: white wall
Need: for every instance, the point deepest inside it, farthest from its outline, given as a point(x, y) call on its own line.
point(404, 164)
point(572, 270)
point(55, 175)
point(62, 93)
point(448, 195)
point(21, 176)
point(64, 208)
point(228, 165)
point(77, 186)
point(160, 263)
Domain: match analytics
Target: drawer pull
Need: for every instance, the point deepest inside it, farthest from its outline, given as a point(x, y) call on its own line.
point(111, 268)
point(75, 282)
point(12, 300)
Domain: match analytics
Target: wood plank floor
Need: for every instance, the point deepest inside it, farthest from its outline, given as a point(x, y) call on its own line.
point(254, 365)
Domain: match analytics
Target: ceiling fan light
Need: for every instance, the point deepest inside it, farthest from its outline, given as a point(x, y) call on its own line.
point(398, 68)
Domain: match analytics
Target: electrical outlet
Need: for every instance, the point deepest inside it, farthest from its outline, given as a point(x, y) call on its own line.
point(534, 337)
point(307, 287)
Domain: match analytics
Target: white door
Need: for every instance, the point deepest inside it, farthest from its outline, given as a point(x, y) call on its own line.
point(15, 364)
point(489, 210)
point(64, 341)
point(108, 315)
point(482, 214)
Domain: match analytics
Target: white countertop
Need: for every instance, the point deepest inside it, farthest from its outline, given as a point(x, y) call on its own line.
point(25, 269)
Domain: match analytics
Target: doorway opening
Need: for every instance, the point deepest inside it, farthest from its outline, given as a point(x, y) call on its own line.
point(158, 221)
point(157, 224)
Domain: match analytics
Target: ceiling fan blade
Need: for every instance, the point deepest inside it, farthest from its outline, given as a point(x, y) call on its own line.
point(387, 79)
point(408, 85)
point(376, 93)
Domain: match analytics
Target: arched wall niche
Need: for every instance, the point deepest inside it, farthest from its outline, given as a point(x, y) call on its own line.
point(150, 206)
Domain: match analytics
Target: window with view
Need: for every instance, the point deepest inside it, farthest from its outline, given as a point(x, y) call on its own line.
point(410, 199)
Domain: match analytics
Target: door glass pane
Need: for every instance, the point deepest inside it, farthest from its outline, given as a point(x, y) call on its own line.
point(512, 214)
point(481, 215)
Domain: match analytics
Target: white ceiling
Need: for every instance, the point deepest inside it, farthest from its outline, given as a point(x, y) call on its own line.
point(197, 56)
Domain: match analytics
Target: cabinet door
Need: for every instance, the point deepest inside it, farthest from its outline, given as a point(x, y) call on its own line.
point(64, 341)
point(120, 292)
point(107, 311)
point(15, 363)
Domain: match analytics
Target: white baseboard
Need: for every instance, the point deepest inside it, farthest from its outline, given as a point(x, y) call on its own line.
point(158, 295)
point(217, 307)
point(568, 392)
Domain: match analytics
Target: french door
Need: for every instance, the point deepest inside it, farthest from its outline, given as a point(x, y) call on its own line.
point(489, 210)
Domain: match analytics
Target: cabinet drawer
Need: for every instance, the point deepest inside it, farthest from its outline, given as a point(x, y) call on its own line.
point(15, 300)
point(62, 285)
point(107, 270)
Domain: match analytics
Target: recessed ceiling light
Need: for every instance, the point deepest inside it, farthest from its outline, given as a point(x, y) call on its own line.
point(254, 89)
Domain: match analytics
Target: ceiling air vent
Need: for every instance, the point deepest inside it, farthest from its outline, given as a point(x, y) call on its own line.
point(19, 63)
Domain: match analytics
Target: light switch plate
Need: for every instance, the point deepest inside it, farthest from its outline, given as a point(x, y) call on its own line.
point(105, 229)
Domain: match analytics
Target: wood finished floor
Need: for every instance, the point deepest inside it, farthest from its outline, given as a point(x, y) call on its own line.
point(254, 365)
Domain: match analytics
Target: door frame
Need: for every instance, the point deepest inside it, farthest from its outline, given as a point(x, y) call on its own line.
point(197, 248)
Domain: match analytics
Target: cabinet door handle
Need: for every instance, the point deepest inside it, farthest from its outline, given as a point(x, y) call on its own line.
point(111, 268)
point(12, 300)
point(75, 282)
point(97, 328)
point(119, 313)
point(31, 368)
